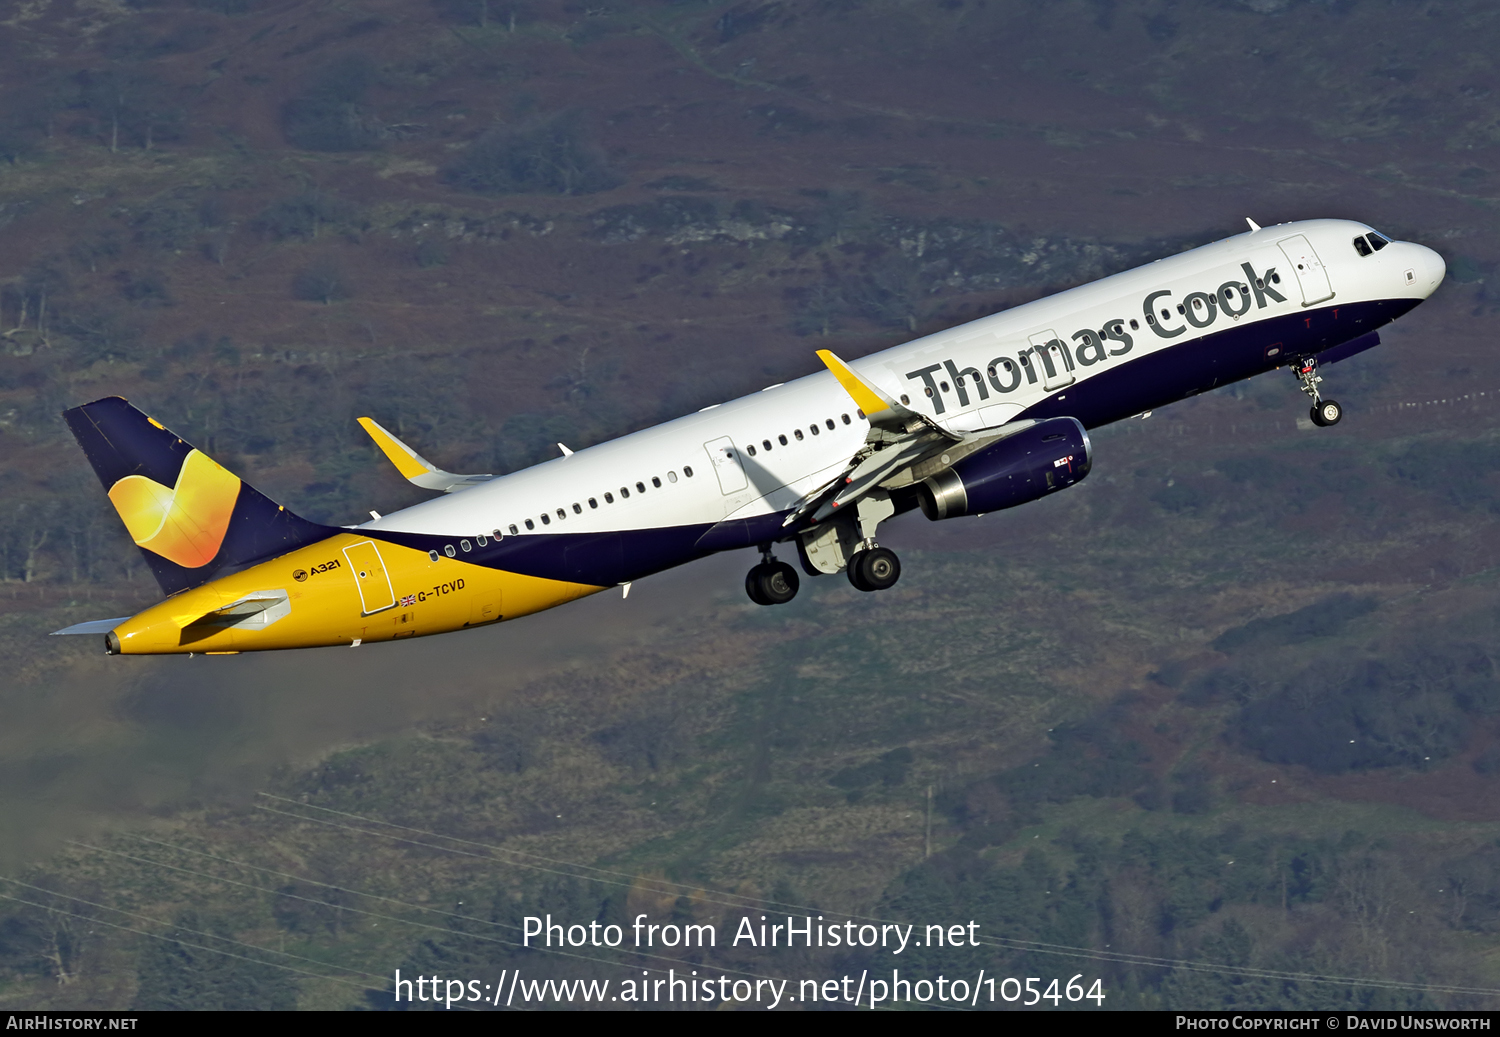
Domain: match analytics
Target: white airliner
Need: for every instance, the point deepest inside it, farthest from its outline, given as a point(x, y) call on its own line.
point(984, 416)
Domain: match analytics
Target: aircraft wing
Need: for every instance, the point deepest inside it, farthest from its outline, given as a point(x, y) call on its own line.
point(902, 447)
point(417, 469)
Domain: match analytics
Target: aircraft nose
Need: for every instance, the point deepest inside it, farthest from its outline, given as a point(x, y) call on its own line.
point(1428, 268)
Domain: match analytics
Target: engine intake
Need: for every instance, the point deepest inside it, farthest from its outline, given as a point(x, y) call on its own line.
point(1050, 455)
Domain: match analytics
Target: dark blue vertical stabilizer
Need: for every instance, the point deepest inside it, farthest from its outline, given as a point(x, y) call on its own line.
point(191, 518)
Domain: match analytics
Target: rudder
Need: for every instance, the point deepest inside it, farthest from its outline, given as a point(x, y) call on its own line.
point(193, 519)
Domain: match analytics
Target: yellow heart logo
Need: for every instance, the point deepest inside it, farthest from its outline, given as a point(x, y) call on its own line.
point(187, 523)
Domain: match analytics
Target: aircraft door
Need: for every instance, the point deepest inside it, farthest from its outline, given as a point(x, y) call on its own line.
point(1052, 356)
point(374, 583)
point(1312, 276)
point(727, 466)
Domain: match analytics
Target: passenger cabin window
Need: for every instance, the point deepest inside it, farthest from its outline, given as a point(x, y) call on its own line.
point(545, 520)
point(593, 502)
point(750, 450)
point(561, 514)
point(433, 555)
point(781, 440)
point(671, 477)
point(466, 546)
point(798, 433)
point(481, 541)
point(766, 444)
point(1362, 246)
point(624, 492)
point(609, 498)
point(1133, 325)
point(687, 470)
point(577, 508)
point(530, 524)
point(640, 487)
point(514, 531)
point(813, 429)
point(845, 417)
point(656, 481)
point(829, 423)
point(448, 550)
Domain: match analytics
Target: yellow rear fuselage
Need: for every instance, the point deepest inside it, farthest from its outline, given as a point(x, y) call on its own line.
point(346, 590)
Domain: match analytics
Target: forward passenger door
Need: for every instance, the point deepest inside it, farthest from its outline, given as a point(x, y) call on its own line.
point(1312, 276)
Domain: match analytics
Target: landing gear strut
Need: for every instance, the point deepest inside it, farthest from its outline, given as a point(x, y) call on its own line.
point(1324, 412)
point(771, 582)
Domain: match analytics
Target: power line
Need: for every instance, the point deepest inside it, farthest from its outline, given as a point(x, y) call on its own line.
point(1002, 942)
point(195, 932)
point(169, 939)
point(423, 925)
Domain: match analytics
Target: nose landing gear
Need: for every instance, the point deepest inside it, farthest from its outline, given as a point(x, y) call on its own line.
point(771, 582)
point(1324, 412)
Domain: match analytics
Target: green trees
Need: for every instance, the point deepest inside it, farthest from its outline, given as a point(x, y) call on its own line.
point(129, 105)
point(549, 157)
point(188, 973)
point(331, 115)
point(324, 280)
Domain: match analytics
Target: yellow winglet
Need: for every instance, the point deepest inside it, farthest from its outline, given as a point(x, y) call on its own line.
point(866, 397)
point(407, 461)
point(415, 467)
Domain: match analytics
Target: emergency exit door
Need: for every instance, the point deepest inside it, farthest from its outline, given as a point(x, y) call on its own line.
point(1052, 356)
point(727, 465)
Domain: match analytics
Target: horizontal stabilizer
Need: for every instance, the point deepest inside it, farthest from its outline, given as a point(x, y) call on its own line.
point(93, 626)
point(417, 469)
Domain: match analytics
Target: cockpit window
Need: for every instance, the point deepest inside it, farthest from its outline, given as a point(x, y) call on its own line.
point(1378, 241)
point(1361, 246)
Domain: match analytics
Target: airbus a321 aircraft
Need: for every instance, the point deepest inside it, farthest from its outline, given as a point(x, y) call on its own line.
point(988, 415)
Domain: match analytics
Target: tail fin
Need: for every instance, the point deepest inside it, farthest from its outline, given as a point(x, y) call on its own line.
point(193, 519)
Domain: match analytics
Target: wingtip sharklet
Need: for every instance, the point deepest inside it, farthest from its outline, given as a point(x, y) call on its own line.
point(415, 468)
point(407, 461)
point(865, 396)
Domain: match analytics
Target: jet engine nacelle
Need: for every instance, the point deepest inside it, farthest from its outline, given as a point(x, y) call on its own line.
point(1050, 455)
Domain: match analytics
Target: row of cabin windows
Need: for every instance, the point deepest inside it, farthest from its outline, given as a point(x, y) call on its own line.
point(765, 444)
point(1375, 243)
point(609, 498)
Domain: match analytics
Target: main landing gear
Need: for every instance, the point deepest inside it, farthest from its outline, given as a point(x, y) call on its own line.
point(1324, 412)
point(874, 569)
point(771, 582)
